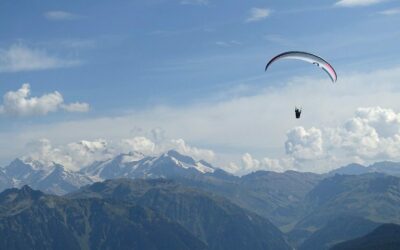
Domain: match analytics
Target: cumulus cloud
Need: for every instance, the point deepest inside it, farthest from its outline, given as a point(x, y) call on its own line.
point(258, 14)
point(304, 144)
point(20, 103)
point(201, 154)
point(355, 3)
point(140, 144)
point(41, 151)
point(256, 123)
point(85, 152)
point(58, 15)
point(373, 133)
point(155, 141)
point(76, 155)
point(250, 164)
point(19, 58)
point(73, 156)
point(279, 165)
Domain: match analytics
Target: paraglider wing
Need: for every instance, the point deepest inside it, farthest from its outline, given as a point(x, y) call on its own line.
point(308, 57)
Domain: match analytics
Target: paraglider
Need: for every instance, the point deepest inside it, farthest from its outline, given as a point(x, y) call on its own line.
point(307, 57)
point(297, 111)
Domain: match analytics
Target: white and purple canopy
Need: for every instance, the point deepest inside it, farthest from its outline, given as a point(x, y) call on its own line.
point(304, 56)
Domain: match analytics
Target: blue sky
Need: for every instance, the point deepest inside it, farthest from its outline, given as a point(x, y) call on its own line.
point(120, 57)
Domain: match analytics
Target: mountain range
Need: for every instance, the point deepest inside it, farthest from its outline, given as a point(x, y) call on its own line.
point(375, 197)
point(312, 210)
point(384, 237)
point(269, 194)
point(386, 167)
point(131, 214)
point(57, 179)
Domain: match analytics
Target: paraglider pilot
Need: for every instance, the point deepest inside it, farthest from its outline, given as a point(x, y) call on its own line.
point(298, 112)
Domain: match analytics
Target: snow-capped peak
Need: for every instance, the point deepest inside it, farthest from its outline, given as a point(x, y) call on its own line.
point(56, 178)
point(188, 162)
point(132, 157)
point(37, 165)
point(203, 168)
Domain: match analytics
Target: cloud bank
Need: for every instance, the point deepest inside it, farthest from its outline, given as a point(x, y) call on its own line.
point(261, 124)
point(77, 155)
point(73, 156)
point(372, 134)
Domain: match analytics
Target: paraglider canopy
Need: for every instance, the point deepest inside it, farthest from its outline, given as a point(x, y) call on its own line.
point(308, 57)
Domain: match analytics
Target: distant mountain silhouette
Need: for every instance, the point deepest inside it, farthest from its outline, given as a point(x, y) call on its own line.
point(338, 229)
point(374, 196)
point(128, 214)
point(273, 195)
point(351, 169)
point(311, 208)
point(213, 219)
point(386, 167)
point(385, 237)
point(30, 219)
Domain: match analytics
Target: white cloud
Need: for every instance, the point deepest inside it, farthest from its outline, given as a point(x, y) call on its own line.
point(278, 165)
point(233, 168)
point(390, 12)
point(355, 3)
point(139, 144)
point(73, 156)
point(21, 58)
point(155, 141)
point(256, 123)
point(43, 152)
point(76, 155)
point(200, 154)
point(58, 15)
point(304, 144)
point(250, 164)
point(372, 134)
point(86, 152)
point(194, 2)
point(20, 103)
point(258, 14)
